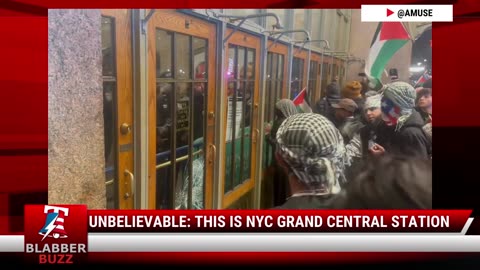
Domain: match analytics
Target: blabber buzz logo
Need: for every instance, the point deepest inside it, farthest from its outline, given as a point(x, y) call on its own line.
point(56, 234)
point(54, 222)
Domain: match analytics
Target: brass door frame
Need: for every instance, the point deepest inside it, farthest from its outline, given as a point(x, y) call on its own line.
point(253, 42)
point(172, 20)
point(124, 148)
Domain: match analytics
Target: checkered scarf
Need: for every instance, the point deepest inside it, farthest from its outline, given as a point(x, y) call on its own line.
point(313, 148)
point(397, 103)
point(373, 101)
point(287, 107)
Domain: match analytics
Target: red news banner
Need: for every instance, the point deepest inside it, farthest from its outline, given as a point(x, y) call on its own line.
point(277, 221)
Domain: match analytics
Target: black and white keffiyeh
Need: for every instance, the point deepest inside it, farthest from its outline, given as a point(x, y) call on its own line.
point(287, 107)
point(313, 148)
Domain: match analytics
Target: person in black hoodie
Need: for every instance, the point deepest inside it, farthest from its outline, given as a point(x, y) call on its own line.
point(324, 105)
point(402, 129)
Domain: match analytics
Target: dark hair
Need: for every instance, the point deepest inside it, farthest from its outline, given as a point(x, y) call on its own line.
point(390, 182)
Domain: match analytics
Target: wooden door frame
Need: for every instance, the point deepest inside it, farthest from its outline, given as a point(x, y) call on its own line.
point(317, 58)
point(124, 103)
point(243, 39)
point(172, 20)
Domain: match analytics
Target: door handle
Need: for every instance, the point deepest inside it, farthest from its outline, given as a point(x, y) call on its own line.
point(130, 175)
point(214, 153)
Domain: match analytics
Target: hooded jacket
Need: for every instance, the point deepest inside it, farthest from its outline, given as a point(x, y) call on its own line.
point(410, 140)
point(324, 105)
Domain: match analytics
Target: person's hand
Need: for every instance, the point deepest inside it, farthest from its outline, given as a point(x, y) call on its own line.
point(268, 128)
point(377, 150)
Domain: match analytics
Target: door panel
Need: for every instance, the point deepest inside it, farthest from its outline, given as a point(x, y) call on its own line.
point(243, 66)
point(118, 108)
point(181, 59)
point(299, 75)
point(275, 89)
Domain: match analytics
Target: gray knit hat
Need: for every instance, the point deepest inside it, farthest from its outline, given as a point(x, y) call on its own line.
point(287, 107)
point(402, 95)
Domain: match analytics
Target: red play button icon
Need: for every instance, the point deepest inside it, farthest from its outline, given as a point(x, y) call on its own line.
point(389, 12)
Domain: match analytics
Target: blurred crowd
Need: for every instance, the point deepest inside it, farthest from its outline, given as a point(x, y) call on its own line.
point(359, 149)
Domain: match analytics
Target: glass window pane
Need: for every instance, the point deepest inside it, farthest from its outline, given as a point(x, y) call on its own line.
point(164, 54)
point(231, 86)
point(251, 65)
point(108, 49)
point(178, 98)
point(183, 53)
point(163, 137)
point(297, 76)
point(280, 70)
point(200, 58)
point(183, 141)
point(183, 90)
point(109, 116)
point(241, 67)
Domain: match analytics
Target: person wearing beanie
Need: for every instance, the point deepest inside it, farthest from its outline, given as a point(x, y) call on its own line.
point(332, 96)
point(311, 151)
point(345, 121)
point(352, 90)
point(402, 129)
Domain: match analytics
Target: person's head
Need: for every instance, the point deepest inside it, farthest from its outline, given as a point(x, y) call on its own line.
point(389, 183)
point(397, 103)
point(335, 79)
point(393, 73)
point(333, 92)
point(285, 108)
point(345, 108)
point(312, 152)
point(370, 93)
point(372, 108)
point(352, 90)
point(424, 98)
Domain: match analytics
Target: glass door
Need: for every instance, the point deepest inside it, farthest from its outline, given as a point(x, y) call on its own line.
point(118, 108)
point(242, 127)
point(181, 60)
point(275, 89)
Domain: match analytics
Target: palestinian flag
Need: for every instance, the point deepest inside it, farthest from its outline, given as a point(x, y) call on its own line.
point(388, 39)
point(425, 77)
point(301, 102)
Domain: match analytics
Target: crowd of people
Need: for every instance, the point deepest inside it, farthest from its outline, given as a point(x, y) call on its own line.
point(359, 149)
